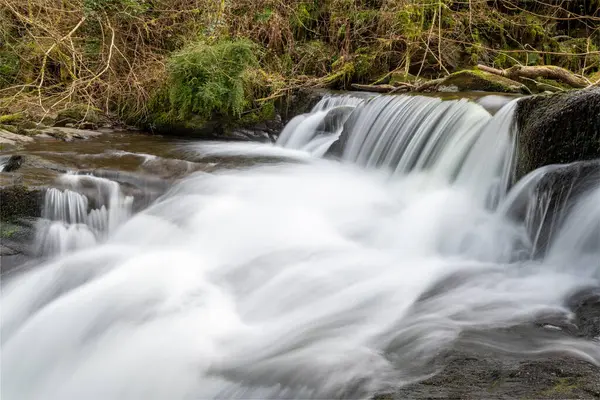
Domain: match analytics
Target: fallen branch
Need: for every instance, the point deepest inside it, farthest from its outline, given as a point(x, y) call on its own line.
point(548, 72)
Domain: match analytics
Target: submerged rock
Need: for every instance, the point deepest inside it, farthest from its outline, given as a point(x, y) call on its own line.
point(558, 129)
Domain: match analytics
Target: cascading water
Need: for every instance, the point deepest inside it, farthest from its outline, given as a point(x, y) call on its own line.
point(69, 222)
point(319, 279)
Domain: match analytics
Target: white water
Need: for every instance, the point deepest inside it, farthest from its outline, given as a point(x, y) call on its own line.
point(306, 280)
point(68, 222)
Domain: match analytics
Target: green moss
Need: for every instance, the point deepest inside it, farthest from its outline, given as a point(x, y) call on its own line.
point(563, 386)
point(12, 119)
point(551, 85)
point(8, 230)
point(10, 128)
point(475, 80)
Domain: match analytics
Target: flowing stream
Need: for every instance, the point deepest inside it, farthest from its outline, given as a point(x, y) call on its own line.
point(385, 236)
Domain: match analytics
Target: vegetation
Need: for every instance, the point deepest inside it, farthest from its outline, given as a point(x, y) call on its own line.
point(163, 61)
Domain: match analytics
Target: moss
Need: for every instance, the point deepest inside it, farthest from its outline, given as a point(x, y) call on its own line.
point(19, 202)
point(563, 386)
point(10, 128)
point(8, 230)
point(475, 80)
point(552, 85)
point(12, 119)
point(78, 114)
point(397, 78)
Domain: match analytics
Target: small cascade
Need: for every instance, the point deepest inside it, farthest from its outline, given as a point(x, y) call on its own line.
point(316, 131)
point(83, 213)
point(544, 199)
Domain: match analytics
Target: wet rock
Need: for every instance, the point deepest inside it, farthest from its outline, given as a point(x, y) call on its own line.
point(10, 163)
point(470, 375)
point(18, 202)
point(553, 198)
point(300, 102)
point(69, 134)
point(474, 80)
point(558, 129)
point(586, 307)
point(13, 138)
point(15, 244)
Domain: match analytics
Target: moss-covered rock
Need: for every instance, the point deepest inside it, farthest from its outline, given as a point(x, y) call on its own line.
point(18, 202)
point(558, 129)
point(12, 119)
point(77, 115)
point(474, 81)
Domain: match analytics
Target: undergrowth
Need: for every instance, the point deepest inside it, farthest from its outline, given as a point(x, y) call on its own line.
point(171, 59)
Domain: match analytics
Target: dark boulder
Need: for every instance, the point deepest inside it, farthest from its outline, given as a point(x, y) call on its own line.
point(558, 129)
point(11, 163)
point(299, 102)
point(554, 196)
point(18, 202)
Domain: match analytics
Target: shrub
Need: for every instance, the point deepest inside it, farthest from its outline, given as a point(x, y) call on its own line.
point(206, 79)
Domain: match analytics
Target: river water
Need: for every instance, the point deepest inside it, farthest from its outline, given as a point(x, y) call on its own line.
point(340, 262)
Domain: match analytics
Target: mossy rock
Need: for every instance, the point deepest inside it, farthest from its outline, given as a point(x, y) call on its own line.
point(9, 128)
point(476, 81)
point(12, 119)
point(19, 202)
point(194, 126)
point(558, 129)
point(78, 114)
point(397, 78)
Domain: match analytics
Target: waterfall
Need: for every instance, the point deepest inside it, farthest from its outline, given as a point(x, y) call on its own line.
point(389, 233)
point(87, 210)
point(316, 131)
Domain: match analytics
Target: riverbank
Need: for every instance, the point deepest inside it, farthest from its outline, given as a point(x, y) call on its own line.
point(143, 64)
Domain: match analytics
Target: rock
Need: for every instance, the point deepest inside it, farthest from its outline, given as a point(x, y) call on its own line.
point(10, 128)
point(20, 202)
point(586, 307)
point(12, 119)
point(9, 139)
point(558, 129)
point(300, 102)
point(79, 115)
point(69, 134)
point(15, 244)
point(480, 376)
point(472, 81)
point(10, 163)
point(555, 194)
